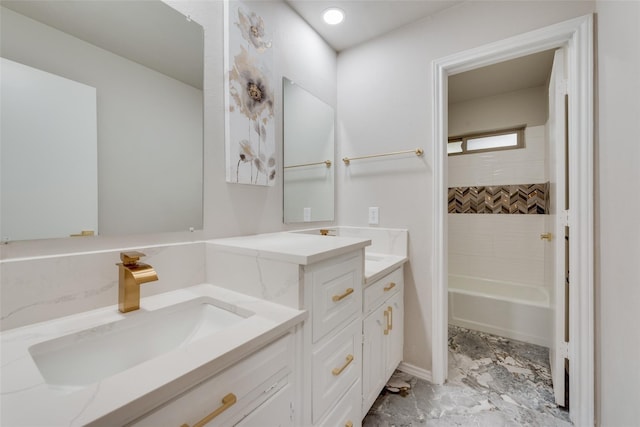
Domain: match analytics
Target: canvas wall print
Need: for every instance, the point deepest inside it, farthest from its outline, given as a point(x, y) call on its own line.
point(249, 125)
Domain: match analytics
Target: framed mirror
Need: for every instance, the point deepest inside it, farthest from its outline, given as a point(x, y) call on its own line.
point(308, 156)
point(103, 130)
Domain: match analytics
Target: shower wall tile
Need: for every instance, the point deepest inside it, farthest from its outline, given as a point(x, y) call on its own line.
point(502, 167)
point(500, 199)
point(497, 247)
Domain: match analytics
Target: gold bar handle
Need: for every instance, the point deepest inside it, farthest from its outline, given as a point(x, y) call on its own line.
point(337, 298)
point(348, 424)
point(391, 286)
point(546, 236)
point(228, 401)
point(338, 371)
point(390, 318)
point(386, 320)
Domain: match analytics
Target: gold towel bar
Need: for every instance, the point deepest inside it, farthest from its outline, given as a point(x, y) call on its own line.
point(327, 163)
point(418, 152)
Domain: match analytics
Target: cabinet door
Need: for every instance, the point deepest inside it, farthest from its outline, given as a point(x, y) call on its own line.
point(373, 356)
point(395, 338)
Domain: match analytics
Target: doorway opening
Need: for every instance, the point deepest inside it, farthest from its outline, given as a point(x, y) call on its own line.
point(575, 37)
point(506, 191)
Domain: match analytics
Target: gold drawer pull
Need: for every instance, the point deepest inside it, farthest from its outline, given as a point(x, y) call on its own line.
point(390, 317)
point(337, 298)
point(391, 286)
point(348, 424)
point(338, 371)
point(386, 320)
point(227, 402)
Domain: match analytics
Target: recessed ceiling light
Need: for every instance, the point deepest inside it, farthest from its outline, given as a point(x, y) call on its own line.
point(333, 16)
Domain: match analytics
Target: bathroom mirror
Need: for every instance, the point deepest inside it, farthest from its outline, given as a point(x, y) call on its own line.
point(143, 62)
point(308, 156)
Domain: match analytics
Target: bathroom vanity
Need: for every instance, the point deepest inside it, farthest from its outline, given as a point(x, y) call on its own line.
point(351, 283)
point(176, 359)
point(291, 329)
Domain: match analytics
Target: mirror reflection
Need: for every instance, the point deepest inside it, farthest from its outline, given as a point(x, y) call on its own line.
point(308, 156)
point(102, 123)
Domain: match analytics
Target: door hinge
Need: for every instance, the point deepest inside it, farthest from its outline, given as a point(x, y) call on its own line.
point(564, 218)
point(291, 411)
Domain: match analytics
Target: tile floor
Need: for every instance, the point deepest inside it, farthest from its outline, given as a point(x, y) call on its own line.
point(493, 381)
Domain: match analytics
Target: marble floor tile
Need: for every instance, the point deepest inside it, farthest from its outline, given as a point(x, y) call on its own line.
point(493, 381)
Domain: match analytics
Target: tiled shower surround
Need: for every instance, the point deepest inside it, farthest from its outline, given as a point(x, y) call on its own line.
point(500, 199)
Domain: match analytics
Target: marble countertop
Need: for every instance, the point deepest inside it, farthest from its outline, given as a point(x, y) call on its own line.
point(377, 265)
point(27, 400)
point(297, 248)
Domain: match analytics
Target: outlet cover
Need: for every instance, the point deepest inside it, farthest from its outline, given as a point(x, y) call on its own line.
point(374, 215)
point(306, 213)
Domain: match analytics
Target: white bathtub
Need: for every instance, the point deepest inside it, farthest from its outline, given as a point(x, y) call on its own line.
point(513, 310)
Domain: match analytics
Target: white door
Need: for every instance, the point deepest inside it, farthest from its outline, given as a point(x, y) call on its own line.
point(395, 338)
point(373, 356)
point(555, 250)
point(49, 154)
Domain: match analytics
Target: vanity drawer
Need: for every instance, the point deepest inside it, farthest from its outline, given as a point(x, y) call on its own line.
point(382, 289)
point(337, 294)
point(347, 413)
point(336, 366)
point(234, 393)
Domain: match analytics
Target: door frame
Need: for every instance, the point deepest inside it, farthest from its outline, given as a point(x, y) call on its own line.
point(576, 35)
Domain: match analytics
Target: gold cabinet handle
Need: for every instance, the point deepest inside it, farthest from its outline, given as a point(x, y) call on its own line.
point(337, 298)
point(338, 371)
point(546, 236)
point(386, 320)
point(348, 424)
point(390, 318)
point(227, 402)
point(391, 286)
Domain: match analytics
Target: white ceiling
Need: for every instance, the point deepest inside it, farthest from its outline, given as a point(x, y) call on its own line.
point(365, 19)
point(517, 74)
point(368, 19)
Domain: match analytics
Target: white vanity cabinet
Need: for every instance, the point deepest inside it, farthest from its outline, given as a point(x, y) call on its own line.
point(383, 332)
point(257, 391)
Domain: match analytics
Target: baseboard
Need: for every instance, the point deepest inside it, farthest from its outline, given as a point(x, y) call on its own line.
point(423, 374)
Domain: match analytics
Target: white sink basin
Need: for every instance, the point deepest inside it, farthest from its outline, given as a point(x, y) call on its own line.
point(90, 355)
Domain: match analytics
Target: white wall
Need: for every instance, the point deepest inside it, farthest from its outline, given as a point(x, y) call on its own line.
point(617, 206)
point(45, 279)
point(390, 109)
point(520, 107)
point(299, 54)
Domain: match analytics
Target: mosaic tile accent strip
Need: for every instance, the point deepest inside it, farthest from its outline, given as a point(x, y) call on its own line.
point(500, 199)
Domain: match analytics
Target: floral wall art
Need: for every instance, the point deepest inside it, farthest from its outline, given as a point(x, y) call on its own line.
point(249, 127)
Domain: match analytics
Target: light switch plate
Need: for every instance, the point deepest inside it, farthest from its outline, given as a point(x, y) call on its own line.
point(306, 214)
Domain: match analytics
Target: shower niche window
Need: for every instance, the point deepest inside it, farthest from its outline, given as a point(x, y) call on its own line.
point(505, 139)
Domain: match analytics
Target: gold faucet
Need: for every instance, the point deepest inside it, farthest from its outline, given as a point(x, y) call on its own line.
point(132, 274)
